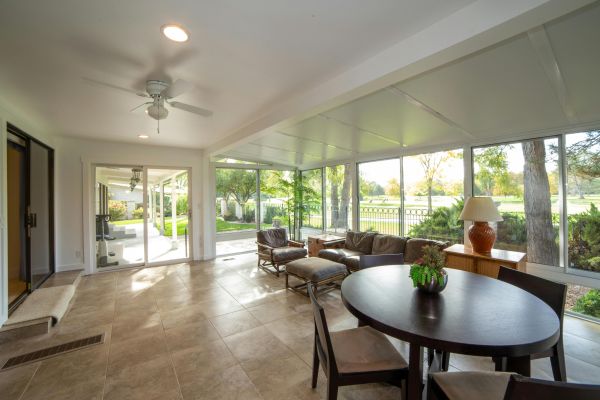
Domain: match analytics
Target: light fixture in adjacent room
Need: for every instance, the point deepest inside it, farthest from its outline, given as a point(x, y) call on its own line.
point(175, 32)
point(135, 178)
point(142, 136)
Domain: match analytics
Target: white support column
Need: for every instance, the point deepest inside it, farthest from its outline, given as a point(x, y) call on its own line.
point(162, 207)
point(468, 186)
point(174, 243)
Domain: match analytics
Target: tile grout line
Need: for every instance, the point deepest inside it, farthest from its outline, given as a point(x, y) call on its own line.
point(29, 381)
point(116, 284)
point(169, 350)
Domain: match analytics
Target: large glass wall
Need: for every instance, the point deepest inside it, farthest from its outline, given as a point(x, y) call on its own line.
point(236, 199)
point(522, 178)
point(312, 202)
point(433, 195)
point(276, 199)
point(379, 196)
point(338, 192)
point(582, 153)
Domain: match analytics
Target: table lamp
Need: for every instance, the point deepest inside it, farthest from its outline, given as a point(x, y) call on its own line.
point(481, 210)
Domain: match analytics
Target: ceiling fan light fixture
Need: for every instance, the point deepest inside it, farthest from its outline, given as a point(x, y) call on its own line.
point(157, 111)
point(175, 32)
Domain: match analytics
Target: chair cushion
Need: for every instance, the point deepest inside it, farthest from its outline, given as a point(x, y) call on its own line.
point(473, 385)
point(363, 350)
point(359, 241)
point(315, 269)
point(276, 237)
point(337, 255)
point(351, 262)
point(389, 244)
point(414, 248)
point(283, 254)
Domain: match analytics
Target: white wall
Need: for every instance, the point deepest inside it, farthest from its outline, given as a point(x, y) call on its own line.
point(74, 190)
point(20, 120)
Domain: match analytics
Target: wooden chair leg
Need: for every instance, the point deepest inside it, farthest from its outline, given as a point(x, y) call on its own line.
point(315, 372)
point(499, 363)
point(559, 369)
point(332, 389)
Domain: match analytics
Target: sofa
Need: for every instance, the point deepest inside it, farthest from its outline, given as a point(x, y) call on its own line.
point(348, 250)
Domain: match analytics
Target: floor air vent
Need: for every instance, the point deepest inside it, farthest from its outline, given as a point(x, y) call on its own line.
point(53, 351)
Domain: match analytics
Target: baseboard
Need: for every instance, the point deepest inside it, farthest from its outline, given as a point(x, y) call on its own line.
point(69, 267)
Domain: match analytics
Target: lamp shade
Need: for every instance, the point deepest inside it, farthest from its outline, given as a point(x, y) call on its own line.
point(480, 209)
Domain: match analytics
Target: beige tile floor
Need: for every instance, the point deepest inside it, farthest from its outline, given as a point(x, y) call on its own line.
point(211, 330)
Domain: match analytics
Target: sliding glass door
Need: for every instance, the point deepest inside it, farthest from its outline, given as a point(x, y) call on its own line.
point(141, 216)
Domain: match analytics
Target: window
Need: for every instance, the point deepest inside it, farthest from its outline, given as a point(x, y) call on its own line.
point(338, 198)
point(433, 188)
point(312, 201)
point(522, 178)
point(582, 151)
point(379, 196)
point(276, 199)
point(236, 199)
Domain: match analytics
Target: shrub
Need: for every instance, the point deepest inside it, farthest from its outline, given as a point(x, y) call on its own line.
point(248, 215)
point(117, 210)
point(589, 303)
point(182, 205)
point(443, 223)
point(138, 213)
point(584, 239)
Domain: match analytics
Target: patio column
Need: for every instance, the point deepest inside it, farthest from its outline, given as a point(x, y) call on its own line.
point(174, 243)
point(152, 209)
point(162, 208)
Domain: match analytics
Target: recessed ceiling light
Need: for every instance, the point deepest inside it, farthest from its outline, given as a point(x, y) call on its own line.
point(143, 136)
point(175, 32)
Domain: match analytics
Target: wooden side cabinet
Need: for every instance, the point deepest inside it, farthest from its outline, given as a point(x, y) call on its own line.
point(317, 242)
point(459, 257)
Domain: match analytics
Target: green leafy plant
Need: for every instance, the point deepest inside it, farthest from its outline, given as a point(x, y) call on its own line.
point(589, 303)
point(430, 266)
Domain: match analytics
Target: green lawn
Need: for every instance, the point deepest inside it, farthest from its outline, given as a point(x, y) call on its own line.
point(182, 223)
point(128, 222)
point(226, 226)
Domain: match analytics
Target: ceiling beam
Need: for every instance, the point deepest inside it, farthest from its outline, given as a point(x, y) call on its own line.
point(417, 103)
point(543, 48)
point(475, 27)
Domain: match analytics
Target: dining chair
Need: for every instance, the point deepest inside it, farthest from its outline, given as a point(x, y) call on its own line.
point(376, 260)
point(354, 356)
point(475, 385)
point(552, 293)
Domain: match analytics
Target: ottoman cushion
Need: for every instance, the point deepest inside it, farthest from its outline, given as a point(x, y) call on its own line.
point(288, 253)
point(315, 269)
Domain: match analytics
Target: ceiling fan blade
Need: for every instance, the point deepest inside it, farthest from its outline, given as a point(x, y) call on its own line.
point(141, 105)
point(94, 82)
point(196, 110)
point(177, 88)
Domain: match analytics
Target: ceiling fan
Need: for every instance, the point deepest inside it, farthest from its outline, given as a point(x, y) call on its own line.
point(160, 93)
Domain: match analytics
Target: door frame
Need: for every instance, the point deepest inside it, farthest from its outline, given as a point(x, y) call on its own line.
point(14, 130)
point(92, 266)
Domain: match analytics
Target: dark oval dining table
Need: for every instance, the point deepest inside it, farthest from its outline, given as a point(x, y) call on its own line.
point(474, 315)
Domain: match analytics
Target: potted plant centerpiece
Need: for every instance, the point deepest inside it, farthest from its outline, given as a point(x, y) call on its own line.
point(428, 273)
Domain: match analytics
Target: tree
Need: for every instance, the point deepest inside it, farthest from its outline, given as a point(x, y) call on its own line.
point(431, 163)
point(337, 176)
point(541, 245)
point(241, 184)
point(583, 161)
point(222, 183)
point(493, 169)
point(392, 188)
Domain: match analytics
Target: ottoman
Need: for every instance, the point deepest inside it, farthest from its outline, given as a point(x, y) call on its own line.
point(320, 271)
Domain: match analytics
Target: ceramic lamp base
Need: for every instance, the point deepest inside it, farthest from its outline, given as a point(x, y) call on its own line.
point(482, 237)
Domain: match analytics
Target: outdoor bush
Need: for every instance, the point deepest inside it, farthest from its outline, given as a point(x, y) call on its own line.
point(182, 205)
point(443, 223)
point(270, 213)
point(138, 213)
point(584, 239)
point(513, 229)
point(248, 214)
point(117, 210)
point(589, 303)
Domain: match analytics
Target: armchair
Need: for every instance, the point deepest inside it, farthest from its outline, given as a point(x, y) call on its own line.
point(276, 250)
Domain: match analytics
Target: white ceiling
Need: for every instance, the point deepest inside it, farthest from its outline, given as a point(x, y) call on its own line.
point(540, 81)
point(243, 58)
